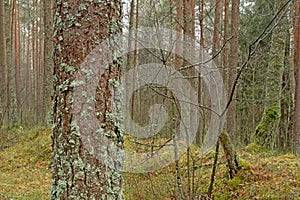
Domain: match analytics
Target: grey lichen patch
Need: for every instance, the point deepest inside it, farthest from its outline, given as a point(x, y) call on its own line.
point(110, 134)
point(75, 129)
point(66, 5)
point(84, 94)
point(77, 83)
point(60, 38)
point(79, 164)
point(79, 175)
point(114, 27)
point(64, 86)
point(82, 7)
point(67, 68)
point(87, 72)
point(71, 99)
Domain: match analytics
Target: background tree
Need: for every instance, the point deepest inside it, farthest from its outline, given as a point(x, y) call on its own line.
point(266, 130)
point(3, 65)
point(48, 55)
point(297, 76)
point(233, 64)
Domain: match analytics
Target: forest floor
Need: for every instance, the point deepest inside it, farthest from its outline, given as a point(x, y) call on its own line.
point(25, 172)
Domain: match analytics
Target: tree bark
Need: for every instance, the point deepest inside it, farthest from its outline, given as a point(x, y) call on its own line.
point(3, 64)
point(17, 58)
point(297, 76)
point(225, 53)
point(233, 64)
point(179, 29)
point(77, 173)
point(217, 31)
point(48, 55)
point(283, 141)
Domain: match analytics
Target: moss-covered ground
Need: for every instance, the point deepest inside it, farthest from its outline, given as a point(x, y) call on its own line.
point(25, 158)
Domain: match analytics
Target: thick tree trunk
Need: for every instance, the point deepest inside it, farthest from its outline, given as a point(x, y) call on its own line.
point(77, 172)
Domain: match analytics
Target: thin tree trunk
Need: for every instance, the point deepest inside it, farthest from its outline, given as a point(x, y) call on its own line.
point(48, 60)
point(17, 58)
point(179, 29)
point(3, 65)
point(12, 105)
point(201, 129)
point(225, 54)
point(217, 31)
point(297, 76)
point(233, 64)
point(135, 58)
point(28, 90)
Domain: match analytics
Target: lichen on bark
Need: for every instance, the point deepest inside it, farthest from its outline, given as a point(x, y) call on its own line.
point(77, 173)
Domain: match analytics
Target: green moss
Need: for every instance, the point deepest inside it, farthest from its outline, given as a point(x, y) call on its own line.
point(264, 132)
point(222, 195)
point(255, 148)
point(235, 183)
point(243, 164)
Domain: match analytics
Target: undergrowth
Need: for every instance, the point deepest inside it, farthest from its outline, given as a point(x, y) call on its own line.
point(25, 157)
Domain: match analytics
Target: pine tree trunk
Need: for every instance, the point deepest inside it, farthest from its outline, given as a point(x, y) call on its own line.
point(233, 64)
point(17, 59)
point(297, 76)
point(3, 64)
point(28, 90)
point(48, 60)
point(225, 53)
point(12, 102)
point(217, 31)
point(179, 29)
point(77, 172)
